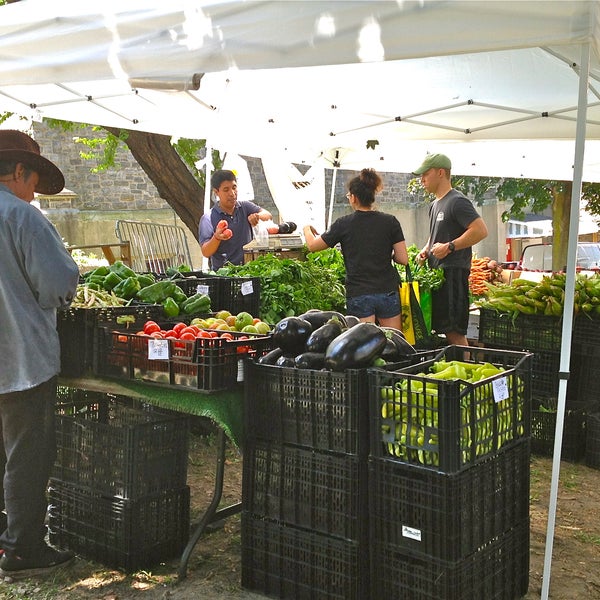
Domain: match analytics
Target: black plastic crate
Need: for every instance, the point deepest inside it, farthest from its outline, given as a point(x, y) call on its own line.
point(586, 332)
point(448, 516)
point(77, 330)
point(204, 364)
point(532, 333)
point(592, 450)
point(322, 410)
point(498, 329)
point(497, 571)
point(288, 562)
point(584, 380)
point(543, 430)
point(448, 425)
point(119, 533)
point(118, 446)
point(315, 490)
point(545, 367)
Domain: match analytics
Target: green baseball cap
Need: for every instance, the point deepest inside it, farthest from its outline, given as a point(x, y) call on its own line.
point(434, 161)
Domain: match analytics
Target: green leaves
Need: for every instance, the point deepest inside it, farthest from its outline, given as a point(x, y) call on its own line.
point(290, 287)
point(429, 279)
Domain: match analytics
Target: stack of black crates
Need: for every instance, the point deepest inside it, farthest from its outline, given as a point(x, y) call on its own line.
point(542, 336)
point(449, 481)
point(118, 492)
point(355, 487)
point(304, 524)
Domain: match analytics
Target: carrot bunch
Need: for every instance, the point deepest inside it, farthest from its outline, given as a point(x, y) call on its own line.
point(483, 271)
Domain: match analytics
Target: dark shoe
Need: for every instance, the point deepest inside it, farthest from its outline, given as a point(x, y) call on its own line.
point(47, 561)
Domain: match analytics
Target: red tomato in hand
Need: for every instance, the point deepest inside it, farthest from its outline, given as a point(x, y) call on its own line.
point(221, 225)
point(227, 234)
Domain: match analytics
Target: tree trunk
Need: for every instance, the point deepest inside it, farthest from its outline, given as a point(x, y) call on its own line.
point(561, 217)
point(173, 180)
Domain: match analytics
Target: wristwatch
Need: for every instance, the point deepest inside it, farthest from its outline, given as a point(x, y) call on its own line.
point(451, 247)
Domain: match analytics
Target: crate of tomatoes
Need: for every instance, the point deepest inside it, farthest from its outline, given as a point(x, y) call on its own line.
point(201, 355)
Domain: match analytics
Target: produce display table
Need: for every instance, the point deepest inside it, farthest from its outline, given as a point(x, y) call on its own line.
point(224, 408)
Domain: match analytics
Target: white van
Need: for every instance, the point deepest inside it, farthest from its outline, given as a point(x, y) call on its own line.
point(538, 257)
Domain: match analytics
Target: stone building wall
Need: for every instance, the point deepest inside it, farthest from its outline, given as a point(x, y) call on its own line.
point(126, 192)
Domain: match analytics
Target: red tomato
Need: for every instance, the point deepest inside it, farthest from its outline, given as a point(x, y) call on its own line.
point(150, 327)
point(227, 234)
point(203, 334)
point(170, 333)
point(122, 339)
point(189, 329)
point(187, 335)
point(178, 327)
point(157, 334)
point(222, 224)
point(226, 335)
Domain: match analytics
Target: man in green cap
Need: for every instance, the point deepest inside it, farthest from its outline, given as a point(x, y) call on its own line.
point(454, 227)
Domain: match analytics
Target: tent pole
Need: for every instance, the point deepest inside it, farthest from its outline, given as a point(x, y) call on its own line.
point(331, 197)
point(207, 192)
point(567, 326)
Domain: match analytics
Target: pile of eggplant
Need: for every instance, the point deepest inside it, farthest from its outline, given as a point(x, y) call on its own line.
point(326, 339)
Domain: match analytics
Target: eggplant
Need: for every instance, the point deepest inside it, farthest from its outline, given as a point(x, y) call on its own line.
point(318, 318)
point(351, 320)
point(356, 347)
point(310, 360)
point(390, 352)
point(285, 361)
point(290, 334)
point(404, 348)
point(321, 337)
point(270, 358)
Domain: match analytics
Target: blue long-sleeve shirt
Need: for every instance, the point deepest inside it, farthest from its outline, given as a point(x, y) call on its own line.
point(37, 276)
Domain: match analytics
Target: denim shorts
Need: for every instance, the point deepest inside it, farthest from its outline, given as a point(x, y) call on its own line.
point(383, 306)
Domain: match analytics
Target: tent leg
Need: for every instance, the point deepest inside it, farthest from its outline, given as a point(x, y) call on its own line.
point(565, 351)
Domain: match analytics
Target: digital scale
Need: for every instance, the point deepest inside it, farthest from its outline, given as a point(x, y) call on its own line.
point(277, 241)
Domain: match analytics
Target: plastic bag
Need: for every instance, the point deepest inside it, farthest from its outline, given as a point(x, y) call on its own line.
point(261, 234)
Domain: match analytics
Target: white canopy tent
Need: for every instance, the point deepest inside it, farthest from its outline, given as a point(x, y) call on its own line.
point(504, 88)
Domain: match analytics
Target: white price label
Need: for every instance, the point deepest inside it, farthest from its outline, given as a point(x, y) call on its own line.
point(411, 532)
point(158, 349)
point(202, 289)
point(500, 387)
point(246, 288)
point(240, 371)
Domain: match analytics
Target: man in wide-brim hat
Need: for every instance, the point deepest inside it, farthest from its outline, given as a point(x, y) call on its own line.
point(37, 276)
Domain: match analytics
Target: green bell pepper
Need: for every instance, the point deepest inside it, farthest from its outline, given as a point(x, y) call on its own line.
point(157, 292)
point(127, 288)
point(145, 280)
point(170, 307)
point(111, 280)
point(121, 269)
point(101, 271)
point(198, 303)
point(179, 295)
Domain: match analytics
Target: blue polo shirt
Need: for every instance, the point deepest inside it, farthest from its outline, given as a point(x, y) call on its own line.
point(231, 250)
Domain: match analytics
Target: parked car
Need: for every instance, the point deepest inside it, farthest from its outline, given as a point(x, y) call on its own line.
point(538, 257)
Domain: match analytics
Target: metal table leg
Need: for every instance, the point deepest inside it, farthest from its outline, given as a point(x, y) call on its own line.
point(212, 514)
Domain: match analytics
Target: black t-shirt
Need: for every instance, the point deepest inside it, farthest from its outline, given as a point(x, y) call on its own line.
point(449, 217)
point(367, 239)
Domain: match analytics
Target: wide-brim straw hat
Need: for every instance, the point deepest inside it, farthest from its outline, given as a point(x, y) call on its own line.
point(18, 146)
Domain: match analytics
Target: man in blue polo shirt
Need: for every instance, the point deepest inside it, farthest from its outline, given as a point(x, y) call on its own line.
point(228, 215)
